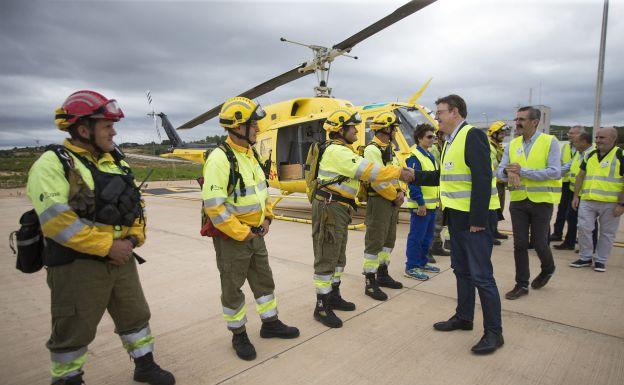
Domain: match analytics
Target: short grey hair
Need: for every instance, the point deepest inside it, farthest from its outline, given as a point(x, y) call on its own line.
point(534, 113)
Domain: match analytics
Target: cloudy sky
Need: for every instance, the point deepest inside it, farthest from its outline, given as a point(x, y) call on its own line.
point(195, 54)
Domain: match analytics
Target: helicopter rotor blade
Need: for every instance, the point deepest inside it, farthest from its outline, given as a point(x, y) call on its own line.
point(400, 13)
point(252, 93)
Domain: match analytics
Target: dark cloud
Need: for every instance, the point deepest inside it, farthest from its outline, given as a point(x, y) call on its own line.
point(192, 55)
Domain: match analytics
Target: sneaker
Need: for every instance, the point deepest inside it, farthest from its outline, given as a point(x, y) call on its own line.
point(430, 269)
point(599, 266)
point(431, 259)
point(416, 273)
point(581, 263)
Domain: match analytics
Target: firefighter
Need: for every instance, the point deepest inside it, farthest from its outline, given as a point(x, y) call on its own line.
point(382, 209)
point(236, 205)
point(496, 134)
point(92, 217)
point(340, 171)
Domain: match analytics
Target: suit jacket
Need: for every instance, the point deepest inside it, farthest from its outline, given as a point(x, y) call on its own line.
point(477, 158)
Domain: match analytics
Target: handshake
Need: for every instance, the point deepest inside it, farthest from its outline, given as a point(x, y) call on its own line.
point(407, 175)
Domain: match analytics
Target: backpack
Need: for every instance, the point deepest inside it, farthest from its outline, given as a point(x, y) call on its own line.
point(313, 159)
point(27, 243)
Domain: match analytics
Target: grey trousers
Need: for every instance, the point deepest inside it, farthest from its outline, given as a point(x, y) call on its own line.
point(588, 212)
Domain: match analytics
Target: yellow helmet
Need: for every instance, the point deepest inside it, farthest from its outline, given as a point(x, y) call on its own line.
point(340, 118)
point(239, 110)
point(384, 120)
point(497, 126)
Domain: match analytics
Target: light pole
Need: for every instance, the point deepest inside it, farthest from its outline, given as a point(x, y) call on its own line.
point(487, 122)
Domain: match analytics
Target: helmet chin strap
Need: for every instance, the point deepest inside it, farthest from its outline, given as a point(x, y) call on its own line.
point(246, 136)
point(388, 134)
point(341, 136)
point(91, 140)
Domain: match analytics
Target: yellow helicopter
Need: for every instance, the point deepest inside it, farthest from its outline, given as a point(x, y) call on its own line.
point(291, 126)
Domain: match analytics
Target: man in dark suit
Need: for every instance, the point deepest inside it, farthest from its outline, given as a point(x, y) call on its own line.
point(469, 197)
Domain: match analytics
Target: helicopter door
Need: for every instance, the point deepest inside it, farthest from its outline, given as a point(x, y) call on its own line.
point(293, 143)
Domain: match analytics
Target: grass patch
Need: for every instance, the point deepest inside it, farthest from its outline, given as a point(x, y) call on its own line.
point(14, 169)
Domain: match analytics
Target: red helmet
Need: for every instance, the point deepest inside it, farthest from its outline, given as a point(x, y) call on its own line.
point(83, 104)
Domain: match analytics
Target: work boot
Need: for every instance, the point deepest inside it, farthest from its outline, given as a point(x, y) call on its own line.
point(243, 347)
point(146, 370)
point(385, 280)
point(324, 314)
point(74, 380)
point(372, 288)
point(337, 302)
point(278, 329)
point(438, 250)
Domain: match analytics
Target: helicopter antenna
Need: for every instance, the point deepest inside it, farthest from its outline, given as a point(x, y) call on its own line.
point(148, 93)
point(320, 64)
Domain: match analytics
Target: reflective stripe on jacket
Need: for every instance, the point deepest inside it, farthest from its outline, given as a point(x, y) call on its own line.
point(234, 217)
point(603, 182)
point(339, 160)
point(48, 190)
point(456, 178)
point(431, 194)
point(538, 191)
point(387, 189)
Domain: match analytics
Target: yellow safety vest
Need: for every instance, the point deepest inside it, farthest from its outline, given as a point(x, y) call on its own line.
point(430, 193)
point(231, 215)
point(603, 182)
point(538, 191)
point(566, 155)
point(455, 176)
point(575, 167)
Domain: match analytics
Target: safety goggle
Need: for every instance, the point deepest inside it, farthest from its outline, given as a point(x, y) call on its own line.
point(353, 119)
point(110, 110)
point(258, 113)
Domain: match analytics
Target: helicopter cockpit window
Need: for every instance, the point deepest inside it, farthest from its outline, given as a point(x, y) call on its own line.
point(410, 118)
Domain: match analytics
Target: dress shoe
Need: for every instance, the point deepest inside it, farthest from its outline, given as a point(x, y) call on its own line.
point(555, 238)
point(488, 343)
point(564, 246)
point(439, 251)
point(517, 292)
point(496, 242)
point(541, 280)
point(498, 235)
point(454, 323)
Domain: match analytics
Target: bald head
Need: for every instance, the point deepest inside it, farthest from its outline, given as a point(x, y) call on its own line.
point(605, 139)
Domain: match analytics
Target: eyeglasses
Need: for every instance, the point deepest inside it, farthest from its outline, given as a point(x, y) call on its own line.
point(600, 137)
point(430, 136)
point(437, 113)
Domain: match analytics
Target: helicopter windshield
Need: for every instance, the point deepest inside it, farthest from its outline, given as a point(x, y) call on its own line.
point(410, 118)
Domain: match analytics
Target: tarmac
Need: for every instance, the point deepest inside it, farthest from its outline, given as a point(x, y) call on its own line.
point(569, 332)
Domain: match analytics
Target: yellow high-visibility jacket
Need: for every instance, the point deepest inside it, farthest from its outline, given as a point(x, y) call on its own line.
point(235, 217)
point(48, 190)
point(388, 190)
point(339, 159)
